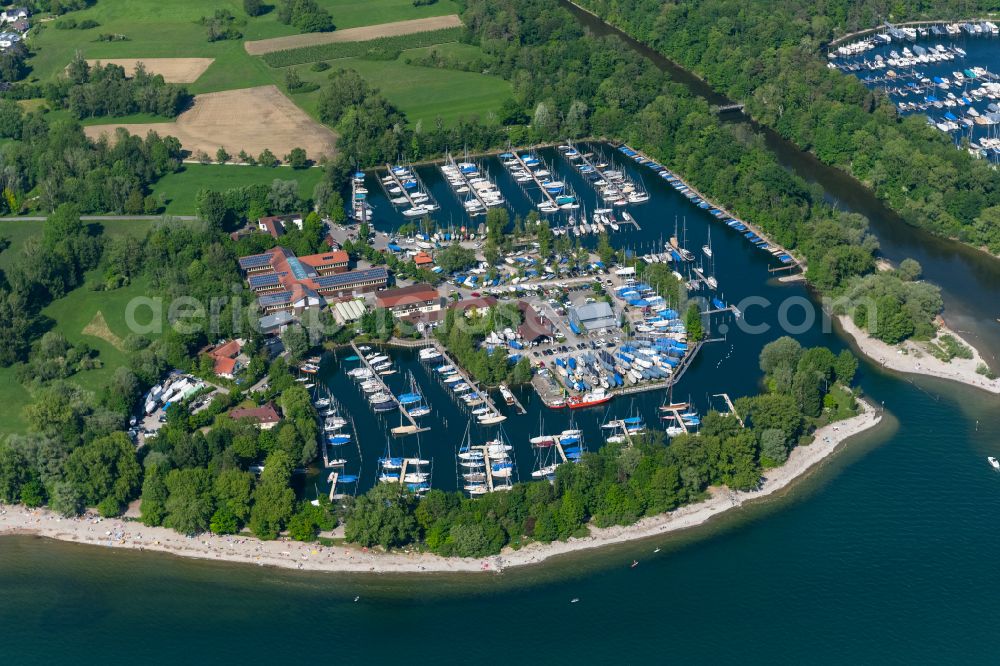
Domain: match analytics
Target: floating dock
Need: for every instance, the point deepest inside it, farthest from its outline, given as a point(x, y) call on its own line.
point(494, 415)
point(772, 247)
point(415, 427)
point(548, 196)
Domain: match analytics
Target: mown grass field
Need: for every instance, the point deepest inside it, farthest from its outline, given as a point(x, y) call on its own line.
point(73, 313)
point(422, 93)
point(17, 233)
point(180, 188)
point(70, 316)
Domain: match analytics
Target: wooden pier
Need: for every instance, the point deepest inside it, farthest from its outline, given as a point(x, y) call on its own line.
point(465, 181)
point(415, 427)
point(601, 173)
point(732, 408)
point(516, 404)
point(551, 199)
point(488, 462)
point(484, 395)
point(405, 193)
point(749, 225)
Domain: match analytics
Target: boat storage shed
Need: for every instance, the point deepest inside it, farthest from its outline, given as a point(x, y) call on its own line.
point(593, 316)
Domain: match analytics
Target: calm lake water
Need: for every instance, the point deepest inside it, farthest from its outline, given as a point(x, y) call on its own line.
point(885, 554)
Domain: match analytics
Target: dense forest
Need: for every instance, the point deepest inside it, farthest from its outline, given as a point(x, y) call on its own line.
point(766, 53)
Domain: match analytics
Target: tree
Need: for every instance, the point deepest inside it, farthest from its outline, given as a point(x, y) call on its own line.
point(783, 351)
point(221, 156)
point(455, 258)
point(807, 389)
point(14, 474)
point(910, 269)
point(297, 158)
point(189, 504)
point(773, 448)
point(273, 499)
point(267, 158)
point(212, 208)
point(104, 468)
point(223, 522)
point(776, 411)
point(283, 197)
point(253, 7)
point(296, 342)
point(78, 69)
point(545, 239)
point(692, 322)
point(845, 366)
point(233, 491)
point(154, 497)
point(383, 516)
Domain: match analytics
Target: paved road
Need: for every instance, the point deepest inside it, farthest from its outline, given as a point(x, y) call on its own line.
point(99, 218)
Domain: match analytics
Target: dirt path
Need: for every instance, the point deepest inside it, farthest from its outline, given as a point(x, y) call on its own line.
point(368, 32)
point(250, 119)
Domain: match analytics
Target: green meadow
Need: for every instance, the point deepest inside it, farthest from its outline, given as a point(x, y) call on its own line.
point(71, 314)
point(422, 93)
point(180, 188)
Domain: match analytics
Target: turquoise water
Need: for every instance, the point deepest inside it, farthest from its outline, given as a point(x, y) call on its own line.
point(883, 555)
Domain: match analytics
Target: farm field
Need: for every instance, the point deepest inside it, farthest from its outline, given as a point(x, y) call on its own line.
point(173, 70)
point(181, 188)
point(250, 119)
point(365, 33)
point(157, 29)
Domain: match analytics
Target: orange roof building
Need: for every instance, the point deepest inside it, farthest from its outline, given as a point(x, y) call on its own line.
point(420, 297)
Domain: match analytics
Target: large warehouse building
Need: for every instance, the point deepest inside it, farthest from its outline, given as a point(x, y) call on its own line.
point(592, 317)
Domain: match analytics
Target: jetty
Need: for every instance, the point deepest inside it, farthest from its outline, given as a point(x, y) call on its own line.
point(413, 427)
point(458, 177)
point(674, 411)
point(732, 408)
point(425, 200)
point(493, 415)
point(749, 230)
point(612, 178)
point(523, 165)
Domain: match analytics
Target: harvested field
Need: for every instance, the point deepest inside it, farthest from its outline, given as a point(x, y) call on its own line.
point(262, 46)
point(250, 119)
point(174, 70)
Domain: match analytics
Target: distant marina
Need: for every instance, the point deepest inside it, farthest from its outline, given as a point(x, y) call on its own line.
point(947, 77)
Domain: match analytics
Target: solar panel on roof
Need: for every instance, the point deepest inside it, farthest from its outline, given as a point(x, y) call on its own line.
point(266, 280)
point(255, 261)
point(275, 299)
point(341, 279)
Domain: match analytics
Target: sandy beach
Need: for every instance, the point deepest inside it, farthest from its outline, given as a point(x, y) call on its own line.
point(118, 533)
point(909, 357)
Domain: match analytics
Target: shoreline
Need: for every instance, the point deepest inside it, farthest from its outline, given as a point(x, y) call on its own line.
point(918, 361)
point(122, 534)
